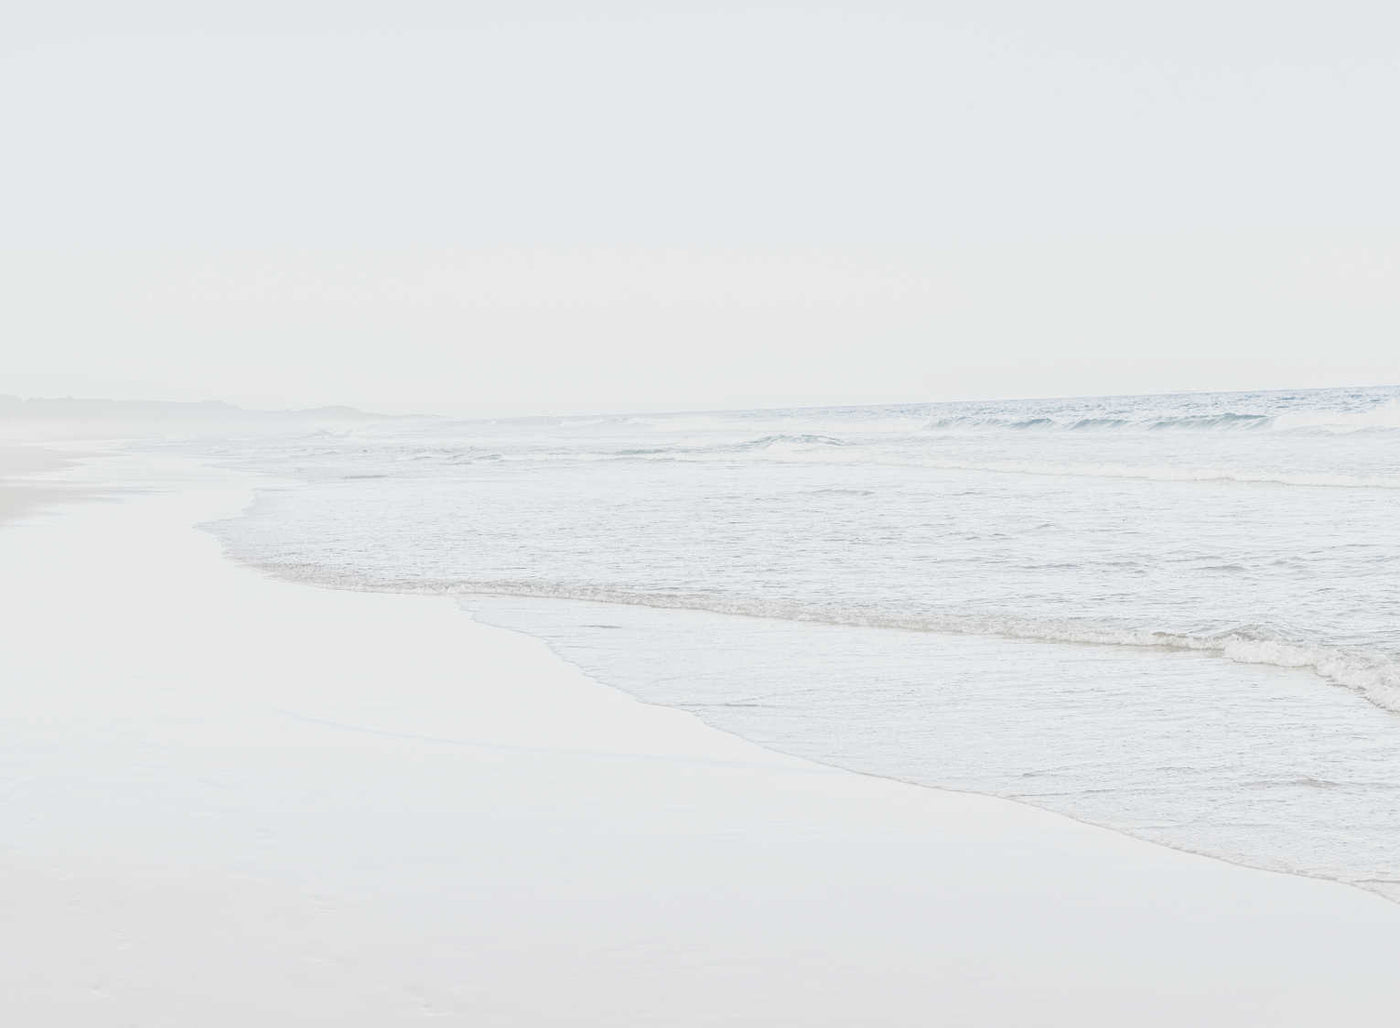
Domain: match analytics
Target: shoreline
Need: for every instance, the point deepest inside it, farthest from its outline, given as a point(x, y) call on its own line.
point(1386, 889)
point(385, 810)
point(1375, 887)
point(25, 485)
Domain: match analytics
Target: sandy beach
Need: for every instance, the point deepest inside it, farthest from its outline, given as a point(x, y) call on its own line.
point(699, 515)
point(232, 799)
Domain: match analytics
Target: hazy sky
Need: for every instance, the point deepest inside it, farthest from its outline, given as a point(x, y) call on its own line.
point(563, 206)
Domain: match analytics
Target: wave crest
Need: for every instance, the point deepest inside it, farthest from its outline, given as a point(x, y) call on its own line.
point(1382, 417)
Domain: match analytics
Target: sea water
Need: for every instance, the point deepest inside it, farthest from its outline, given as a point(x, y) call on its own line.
point(1176, 616)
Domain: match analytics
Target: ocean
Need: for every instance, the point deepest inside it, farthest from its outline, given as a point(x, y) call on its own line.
point(1174, 616)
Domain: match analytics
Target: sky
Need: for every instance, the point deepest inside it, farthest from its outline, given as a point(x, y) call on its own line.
point(549, 207)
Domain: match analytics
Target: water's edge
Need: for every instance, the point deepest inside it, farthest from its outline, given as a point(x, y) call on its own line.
point(1389, 891)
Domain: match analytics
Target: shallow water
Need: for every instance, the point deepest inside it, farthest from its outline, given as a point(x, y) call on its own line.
point(1176, 616)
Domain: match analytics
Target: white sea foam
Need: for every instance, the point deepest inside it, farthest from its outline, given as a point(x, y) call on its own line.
point(1376, 676)
point(1175, 474)
point(820, 450)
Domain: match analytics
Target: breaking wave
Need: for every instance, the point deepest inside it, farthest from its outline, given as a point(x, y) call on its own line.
point(1368, 411)
point(766, 442)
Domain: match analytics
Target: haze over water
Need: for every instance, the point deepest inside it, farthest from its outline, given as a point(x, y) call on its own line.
point(1171, 615)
